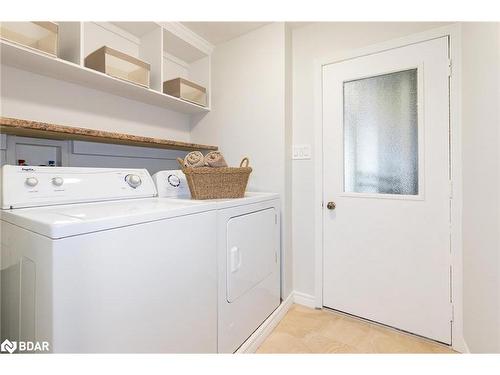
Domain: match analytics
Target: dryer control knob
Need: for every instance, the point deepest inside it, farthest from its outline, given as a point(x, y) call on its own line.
point(133, 180)
point(31, 181)
point(173, 180)
point(58, 181)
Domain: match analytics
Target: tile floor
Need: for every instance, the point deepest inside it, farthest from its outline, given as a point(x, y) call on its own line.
point(305, 330)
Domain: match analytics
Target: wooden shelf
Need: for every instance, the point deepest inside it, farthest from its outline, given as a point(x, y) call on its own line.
point(35, 129)
point(39, 63)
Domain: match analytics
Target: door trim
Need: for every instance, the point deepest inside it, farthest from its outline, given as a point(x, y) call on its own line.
point(453, 32)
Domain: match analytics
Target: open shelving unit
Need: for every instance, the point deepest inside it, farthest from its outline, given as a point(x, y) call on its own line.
point(171, 50)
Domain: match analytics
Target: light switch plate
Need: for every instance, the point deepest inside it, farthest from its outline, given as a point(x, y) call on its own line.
point(301, 152)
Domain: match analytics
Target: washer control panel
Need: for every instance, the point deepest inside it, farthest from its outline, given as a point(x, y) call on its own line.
point(133, 180)
point(58, 181)
point(171, 184)
point(24, 186)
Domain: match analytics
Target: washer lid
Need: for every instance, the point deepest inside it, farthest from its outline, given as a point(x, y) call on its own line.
point(70, 220)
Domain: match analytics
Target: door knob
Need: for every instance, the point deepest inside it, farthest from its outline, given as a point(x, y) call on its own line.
point(331, 205)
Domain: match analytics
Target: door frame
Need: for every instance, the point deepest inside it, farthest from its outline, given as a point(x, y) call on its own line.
point(453, 32)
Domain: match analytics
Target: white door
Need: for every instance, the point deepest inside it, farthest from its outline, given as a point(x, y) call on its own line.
point(386, 252)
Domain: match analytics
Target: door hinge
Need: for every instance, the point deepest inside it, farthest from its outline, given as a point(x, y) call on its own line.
point(275, 218)
point(452, 313)
point(451, 189)
point(449, 68)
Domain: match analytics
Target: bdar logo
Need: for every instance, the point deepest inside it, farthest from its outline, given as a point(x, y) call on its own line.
point(8, 346)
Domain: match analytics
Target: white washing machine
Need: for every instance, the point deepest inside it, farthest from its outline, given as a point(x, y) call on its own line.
point(248, 257)
point(122, 272)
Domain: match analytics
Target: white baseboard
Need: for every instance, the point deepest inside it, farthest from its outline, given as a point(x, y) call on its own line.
point(258, 337)
point(265, 329)
point(460, 345)
point(304, 299)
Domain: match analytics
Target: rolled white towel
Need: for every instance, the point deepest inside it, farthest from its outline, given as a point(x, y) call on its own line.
point(215, 159)
point(194, 159)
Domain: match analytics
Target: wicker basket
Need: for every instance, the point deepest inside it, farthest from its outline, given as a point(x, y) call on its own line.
point(216, 183)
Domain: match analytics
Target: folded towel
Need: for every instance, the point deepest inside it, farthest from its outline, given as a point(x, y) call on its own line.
point(215, 159)
point(194, 159)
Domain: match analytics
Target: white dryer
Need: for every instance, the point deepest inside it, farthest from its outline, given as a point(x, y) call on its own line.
point(248, 258)
point(248, 248)
point(123, 272)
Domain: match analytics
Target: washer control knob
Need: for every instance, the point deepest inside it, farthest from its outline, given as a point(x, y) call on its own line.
point(31, 181)
point(58, 181)
point(133, 180)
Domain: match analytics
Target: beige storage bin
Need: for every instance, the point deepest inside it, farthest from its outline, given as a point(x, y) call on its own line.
point(119, 65)
point(186, 90)
point(41, 36)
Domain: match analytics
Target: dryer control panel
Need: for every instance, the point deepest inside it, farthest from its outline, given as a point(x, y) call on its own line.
point(171, 184)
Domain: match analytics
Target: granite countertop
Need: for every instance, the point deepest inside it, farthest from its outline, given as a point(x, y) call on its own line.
point(38, 129)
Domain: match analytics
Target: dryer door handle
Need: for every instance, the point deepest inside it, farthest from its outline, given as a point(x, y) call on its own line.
point(236, 259)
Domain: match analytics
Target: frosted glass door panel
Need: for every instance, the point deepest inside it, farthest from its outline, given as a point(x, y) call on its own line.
point(381, 134)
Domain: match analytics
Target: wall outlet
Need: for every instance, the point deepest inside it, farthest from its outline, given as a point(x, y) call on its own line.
point(301, 152)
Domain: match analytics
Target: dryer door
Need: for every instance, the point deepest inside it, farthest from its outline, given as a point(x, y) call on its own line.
point(251, 251)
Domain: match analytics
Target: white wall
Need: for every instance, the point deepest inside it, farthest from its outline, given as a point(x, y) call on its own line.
point(481, 184)
point(248, 116)
point(319, 41)
point(288, 187)
point(31, 96)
